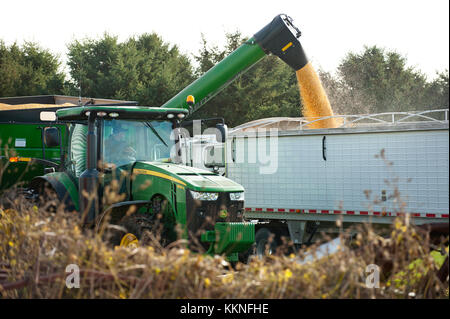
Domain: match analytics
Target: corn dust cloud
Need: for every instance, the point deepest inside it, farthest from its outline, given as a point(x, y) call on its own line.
point(314, 98)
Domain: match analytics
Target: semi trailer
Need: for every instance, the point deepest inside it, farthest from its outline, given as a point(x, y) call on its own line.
point(299, 181)
point(320, 174)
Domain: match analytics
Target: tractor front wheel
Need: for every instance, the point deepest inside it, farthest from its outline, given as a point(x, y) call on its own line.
point(132, 231)
point(155, 227)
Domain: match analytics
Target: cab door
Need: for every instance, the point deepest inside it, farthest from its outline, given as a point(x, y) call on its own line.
point(115, 177)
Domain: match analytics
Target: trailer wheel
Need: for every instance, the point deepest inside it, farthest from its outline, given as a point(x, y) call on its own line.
point(265, 243)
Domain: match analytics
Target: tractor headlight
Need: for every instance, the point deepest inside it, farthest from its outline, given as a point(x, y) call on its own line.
point(204, 196)
point(237, 196)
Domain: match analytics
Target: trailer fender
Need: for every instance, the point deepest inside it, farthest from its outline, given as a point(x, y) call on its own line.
point(64, 187)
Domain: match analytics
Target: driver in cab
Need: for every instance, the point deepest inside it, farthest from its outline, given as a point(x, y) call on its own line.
point(117, 150)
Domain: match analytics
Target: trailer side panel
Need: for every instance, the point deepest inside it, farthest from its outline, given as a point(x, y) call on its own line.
point(382, 173)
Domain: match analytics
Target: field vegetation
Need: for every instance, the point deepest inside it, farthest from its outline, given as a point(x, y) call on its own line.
point(36, 247)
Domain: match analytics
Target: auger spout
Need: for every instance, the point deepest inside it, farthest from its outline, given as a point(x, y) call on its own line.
point(281, 38)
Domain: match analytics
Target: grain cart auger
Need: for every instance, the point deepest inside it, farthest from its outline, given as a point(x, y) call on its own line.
point(279, 37)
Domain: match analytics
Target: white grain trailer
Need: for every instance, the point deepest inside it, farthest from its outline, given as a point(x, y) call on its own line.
point(298, 181)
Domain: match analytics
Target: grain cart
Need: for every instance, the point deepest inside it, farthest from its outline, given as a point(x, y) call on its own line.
point(23, 153)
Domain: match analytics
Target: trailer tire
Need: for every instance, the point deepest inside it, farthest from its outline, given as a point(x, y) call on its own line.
point(265, 243)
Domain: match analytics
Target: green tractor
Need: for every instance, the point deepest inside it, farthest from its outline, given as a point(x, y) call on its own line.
point(133, 153)
point(122, 167)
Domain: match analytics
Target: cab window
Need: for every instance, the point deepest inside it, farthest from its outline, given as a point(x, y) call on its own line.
point(125, 142)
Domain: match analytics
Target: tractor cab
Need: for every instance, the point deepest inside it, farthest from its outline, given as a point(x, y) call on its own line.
point(122, 136)
point(105, 142)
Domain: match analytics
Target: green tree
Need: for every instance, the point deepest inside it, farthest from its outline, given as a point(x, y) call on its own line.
point(143, 68)
point(29, 70)
point(437, 91)
point(268, 89)
point(378, 80)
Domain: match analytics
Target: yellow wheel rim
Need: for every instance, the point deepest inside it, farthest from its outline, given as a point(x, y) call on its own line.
point(129, 240)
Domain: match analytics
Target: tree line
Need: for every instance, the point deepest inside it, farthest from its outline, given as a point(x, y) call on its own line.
point(149, 70)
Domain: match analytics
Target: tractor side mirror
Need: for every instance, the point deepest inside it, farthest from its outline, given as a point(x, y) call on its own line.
point(221, 134)
point(214, 156)
point(51, 136)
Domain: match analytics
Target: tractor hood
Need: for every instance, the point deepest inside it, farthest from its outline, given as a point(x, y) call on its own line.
point(189, 177)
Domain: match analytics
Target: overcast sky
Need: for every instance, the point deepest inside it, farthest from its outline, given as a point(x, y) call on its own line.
point(416, 29)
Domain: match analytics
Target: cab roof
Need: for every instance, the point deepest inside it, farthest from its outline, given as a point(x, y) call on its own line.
point(121, 112)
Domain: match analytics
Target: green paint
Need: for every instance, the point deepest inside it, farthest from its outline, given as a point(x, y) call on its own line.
point(230, 238)
point(124, 112)
point(24, 140)
point(194, 178)
point(181, 206)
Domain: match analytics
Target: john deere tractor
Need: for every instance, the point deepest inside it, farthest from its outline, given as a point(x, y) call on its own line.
point(121, 163)
point(121, 166)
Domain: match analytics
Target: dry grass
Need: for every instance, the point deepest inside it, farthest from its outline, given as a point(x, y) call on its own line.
point(36, 246)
